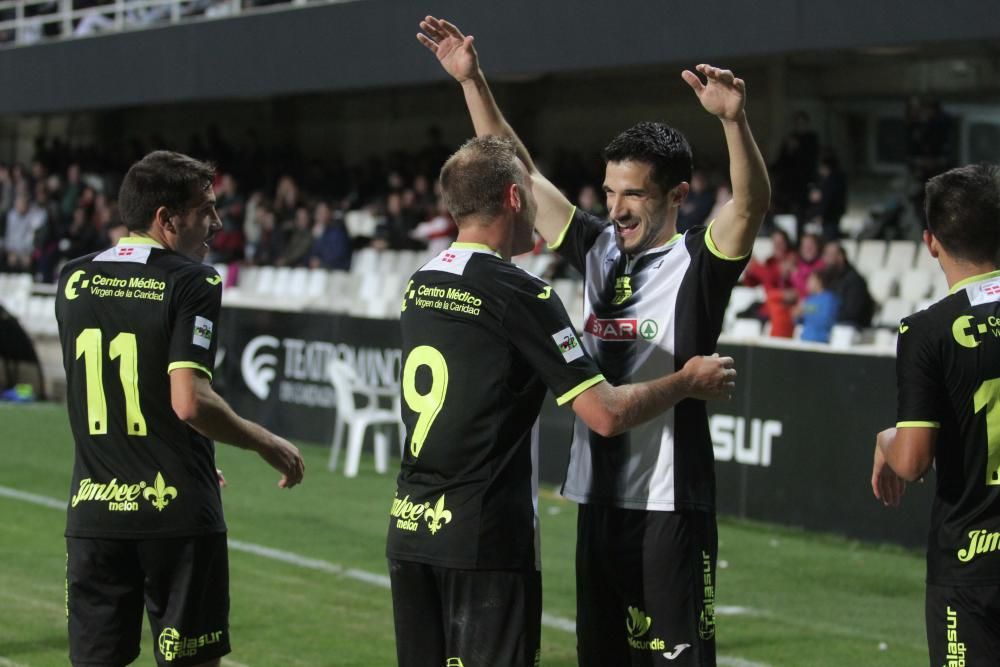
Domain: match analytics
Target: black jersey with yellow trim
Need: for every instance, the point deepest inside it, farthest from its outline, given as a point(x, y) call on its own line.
point(645, 316)
point(948, 378)
point(482, 340)
point(128, 316)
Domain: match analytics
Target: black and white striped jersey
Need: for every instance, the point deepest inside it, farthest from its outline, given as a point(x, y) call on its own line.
point(645, 316)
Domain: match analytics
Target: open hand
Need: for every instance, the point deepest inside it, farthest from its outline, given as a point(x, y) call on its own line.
point(710, 378)
point(454, 50)
point(722, 94)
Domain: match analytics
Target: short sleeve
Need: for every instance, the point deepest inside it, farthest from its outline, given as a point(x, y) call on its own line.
point(541, 330)
point(577, 237)
point(194, 339)
point(717, 274)
point(918, 379)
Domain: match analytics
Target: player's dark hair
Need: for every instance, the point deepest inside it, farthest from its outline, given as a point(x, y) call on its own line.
point(962, 207)
point(660, 145)
point(475, 179)
point(162, 178)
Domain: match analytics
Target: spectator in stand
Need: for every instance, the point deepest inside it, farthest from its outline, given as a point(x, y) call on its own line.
point(6, 190)
point(228, 243)
point(331, 248)
point(46, 240)
point(71, 193)
point(775, 275)
point(438, 232)
point(795, 167)
point(828, 197)
point(300, 240)
point(809, 259)
point(698, 204)
point(287, 199)
point(856, 304)
point(392, 231)
point(23, 221)
point(270, 240)
point(723, 193)
point(589, 201)
point(82, 237)
point(818, 310)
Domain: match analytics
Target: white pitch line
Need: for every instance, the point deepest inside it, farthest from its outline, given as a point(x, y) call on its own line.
point(233, 663)
point(380, 580)
point(4, 662)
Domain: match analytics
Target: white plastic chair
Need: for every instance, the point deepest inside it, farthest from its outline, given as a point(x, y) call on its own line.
point(881, 284)
point(894, 310)
point(915, 284)
point(355, 420)
point(844, 336)
point(746, 328)
point(871, 256)
point(900, 255)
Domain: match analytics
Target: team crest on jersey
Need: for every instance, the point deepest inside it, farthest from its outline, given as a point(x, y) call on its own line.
point(623, 289)
point(568, 344)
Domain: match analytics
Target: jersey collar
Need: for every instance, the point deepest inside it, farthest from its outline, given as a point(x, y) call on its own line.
point(973, 279)
point(474, 247)
point(139, 241)
point(660, 248)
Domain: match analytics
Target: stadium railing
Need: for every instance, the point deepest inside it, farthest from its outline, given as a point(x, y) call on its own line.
point(26, 22)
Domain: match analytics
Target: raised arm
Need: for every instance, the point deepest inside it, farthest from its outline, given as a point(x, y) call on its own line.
point(610, 410)
point(724, 96)
point(457, 55)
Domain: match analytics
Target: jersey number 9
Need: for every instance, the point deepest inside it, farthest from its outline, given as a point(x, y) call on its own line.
point(427, 405)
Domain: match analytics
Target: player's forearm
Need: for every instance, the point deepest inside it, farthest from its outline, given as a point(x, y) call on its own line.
point(908, 451)
point(487, 118)
point(747, 173)
point(633, 404)
point(215, 419)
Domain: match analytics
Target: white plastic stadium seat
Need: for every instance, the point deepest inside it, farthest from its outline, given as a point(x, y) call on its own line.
point(850, 247)
point(742, 297)
point(871, 255)
point(354, 420)
point(763, 247)
point(746, 328)
point(844, 336)
point(894, 310)
point(900, 255)
point(881, 284)
point(915, 284)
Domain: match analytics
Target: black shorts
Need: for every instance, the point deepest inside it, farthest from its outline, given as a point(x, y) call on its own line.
point(963, 625)
point(182, 582)
point(645, 587)
point(465, 618)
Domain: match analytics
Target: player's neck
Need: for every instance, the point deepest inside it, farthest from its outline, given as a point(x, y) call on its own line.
point(485, 236)
point(956, 271)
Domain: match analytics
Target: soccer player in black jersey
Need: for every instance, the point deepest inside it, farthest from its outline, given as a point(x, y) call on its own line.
point(138, 326)
point(482, 340)
point(653, 299)
point(948, 382)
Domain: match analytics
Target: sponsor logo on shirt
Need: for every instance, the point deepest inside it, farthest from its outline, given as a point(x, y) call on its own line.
point(980, 542)
point(173, 645)
point(568, 344)
point(969, 333)
point(123, 497)
point(409, 515)
point(638, 624)
point(616, 329)
point(202, 332)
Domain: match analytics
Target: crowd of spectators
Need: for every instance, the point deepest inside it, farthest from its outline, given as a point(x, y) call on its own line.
point(813, 284)
point(43, 19)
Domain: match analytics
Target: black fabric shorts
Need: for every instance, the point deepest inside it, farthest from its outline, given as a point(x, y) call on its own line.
point(963, 625)
point(645, 587)
point(182, 582)
point(465, 618)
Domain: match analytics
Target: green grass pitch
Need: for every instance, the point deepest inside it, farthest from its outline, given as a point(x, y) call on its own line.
point(302, 563)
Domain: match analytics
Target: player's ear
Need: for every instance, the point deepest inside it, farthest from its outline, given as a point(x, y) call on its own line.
point(679, 193)
point(513, 197)
point(163, 217)
point(932, 244)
